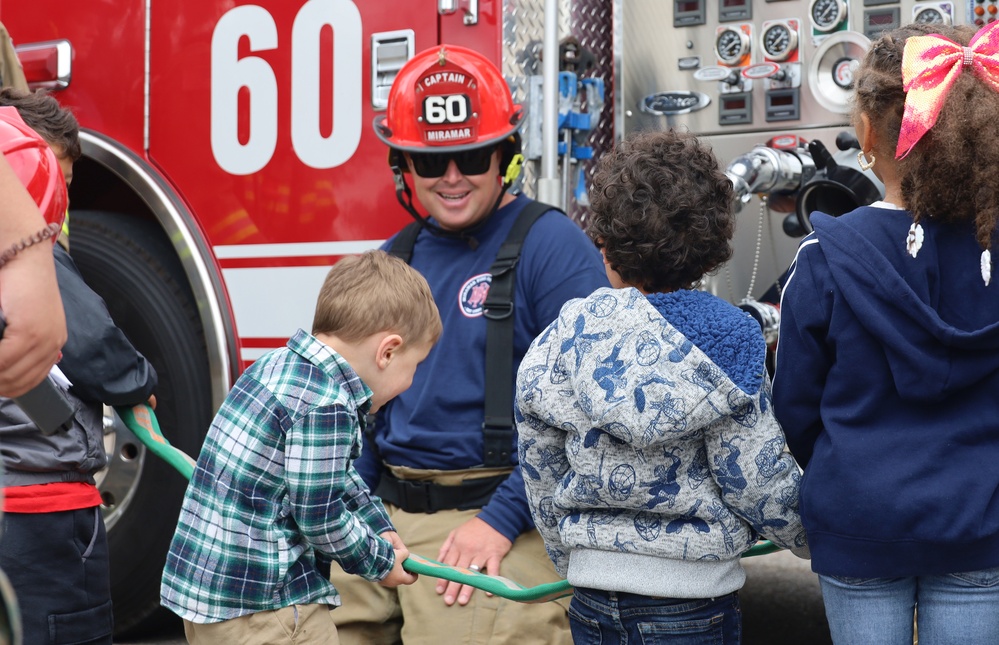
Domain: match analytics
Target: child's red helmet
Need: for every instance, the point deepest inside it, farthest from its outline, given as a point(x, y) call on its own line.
point(34, 164)
point(448, 98)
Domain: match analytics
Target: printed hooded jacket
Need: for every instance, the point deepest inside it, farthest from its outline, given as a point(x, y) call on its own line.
point(651, 456)
point(887, 385)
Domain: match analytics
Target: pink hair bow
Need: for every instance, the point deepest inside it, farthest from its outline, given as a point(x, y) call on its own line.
point(930, 65)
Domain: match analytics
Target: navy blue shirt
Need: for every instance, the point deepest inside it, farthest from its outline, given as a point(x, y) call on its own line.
point(437, 422)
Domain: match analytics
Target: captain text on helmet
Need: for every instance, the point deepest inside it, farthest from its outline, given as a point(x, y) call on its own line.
point(442, 456)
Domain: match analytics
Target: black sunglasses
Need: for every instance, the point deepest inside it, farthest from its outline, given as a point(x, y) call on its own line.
point(431, 165)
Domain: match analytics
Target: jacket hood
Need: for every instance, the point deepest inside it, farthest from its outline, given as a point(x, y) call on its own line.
point(932, 349)
point(615, 364)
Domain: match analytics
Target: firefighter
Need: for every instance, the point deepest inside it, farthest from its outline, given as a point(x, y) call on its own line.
point(442, 456)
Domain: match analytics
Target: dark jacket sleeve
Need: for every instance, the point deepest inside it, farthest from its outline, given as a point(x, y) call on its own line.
point(98, 358)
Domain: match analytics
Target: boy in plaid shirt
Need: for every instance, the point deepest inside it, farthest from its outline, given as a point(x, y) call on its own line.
point(274, 496)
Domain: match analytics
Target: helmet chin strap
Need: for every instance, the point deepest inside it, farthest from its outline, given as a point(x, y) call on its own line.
point(405, 197)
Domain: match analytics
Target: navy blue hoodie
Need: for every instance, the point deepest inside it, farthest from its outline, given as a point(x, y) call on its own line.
point(887, 387)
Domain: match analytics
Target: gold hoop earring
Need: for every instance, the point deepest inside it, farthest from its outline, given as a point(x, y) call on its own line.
point(864, 163)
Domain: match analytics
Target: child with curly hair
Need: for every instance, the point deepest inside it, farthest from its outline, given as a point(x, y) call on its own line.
point(886, 372)
point(651, 456)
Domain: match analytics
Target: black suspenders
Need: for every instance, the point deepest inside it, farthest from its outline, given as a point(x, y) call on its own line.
point(402, 245)
point(498, 424)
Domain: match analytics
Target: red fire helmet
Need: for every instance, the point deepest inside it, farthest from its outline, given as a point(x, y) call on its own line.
point(34, 164)
point(447, 99)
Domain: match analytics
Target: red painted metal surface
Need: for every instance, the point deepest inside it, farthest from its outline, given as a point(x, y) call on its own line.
point(343, 193)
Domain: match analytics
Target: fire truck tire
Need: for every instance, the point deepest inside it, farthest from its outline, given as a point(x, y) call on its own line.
point(132, 265)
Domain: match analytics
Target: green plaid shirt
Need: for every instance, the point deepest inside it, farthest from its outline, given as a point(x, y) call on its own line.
point(275, 489)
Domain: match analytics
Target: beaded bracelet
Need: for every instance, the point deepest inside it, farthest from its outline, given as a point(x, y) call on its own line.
point(49, 231)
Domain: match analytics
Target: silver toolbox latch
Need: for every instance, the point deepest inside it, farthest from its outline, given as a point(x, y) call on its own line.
point(470, 7)
point(389, 52)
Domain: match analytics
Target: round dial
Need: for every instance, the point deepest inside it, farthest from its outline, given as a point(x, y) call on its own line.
point(731, 45)
point(930, 16)
point(827, 14)
point(779, 41)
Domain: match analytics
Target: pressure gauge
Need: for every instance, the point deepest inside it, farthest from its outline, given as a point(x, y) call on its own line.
point(827, 14)
point(731, 45)
point(931, 15)
point(779, 41)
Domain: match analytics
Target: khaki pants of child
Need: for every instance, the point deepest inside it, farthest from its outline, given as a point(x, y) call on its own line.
point(298, 624)
point(415, 615)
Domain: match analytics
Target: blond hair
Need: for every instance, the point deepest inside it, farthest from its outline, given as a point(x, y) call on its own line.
point(373, 292)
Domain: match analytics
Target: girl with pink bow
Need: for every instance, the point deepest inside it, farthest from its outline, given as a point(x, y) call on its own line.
point(887, 368)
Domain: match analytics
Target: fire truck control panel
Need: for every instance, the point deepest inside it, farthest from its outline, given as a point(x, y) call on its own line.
point(757, 63)
point(761, 80)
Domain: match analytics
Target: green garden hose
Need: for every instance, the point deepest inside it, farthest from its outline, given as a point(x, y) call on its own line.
point(141, 420)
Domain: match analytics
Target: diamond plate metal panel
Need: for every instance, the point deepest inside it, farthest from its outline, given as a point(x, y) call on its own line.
point(592, 23)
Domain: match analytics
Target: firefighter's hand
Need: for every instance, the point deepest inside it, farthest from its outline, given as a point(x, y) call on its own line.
point(398, 576)
point(472, 545)
point(36, 324)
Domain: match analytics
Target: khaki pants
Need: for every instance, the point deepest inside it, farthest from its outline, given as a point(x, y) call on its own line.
point(298, 624)
point(11, 73)
point(415, 615)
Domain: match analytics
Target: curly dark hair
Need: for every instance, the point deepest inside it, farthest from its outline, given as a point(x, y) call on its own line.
point(661, 210)
point(949, 175)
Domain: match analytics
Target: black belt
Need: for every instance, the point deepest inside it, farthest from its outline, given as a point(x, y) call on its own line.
point(422, 496)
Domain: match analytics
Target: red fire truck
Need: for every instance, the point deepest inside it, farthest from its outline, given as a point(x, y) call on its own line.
point(229, 159)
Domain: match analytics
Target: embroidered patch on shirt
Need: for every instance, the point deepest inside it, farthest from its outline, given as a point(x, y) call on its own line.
point(472, 295)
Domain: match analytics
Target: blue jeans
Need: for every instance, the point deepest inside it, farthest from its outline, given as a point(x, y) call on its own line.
point(610, 618)
point(953, 608)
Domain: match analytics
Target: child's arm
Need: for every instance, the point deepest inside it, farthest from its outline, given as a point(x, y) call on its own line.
point(543, 462)
point(759, 479)
point(803, 361)
point(98, 358)
point(359, 499)
point(540, 443)
point(320, 481)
